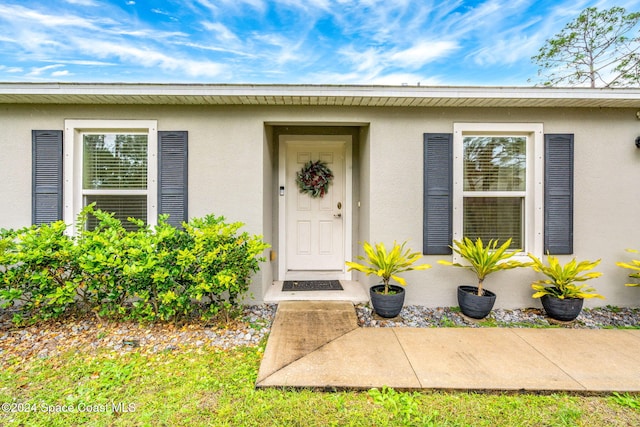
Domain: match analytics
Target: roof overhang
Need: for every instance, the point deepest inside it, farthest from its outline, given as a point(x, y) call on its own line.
point(315, 95)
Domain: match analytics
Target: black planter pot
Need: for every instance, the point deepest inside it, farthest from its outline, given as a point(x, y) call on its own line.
point(474, 306)
point(565, 310)
point(387, 305)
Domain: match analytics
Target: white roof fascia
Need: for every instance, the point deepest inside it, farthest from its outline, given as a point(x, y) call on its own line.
point(57, 92)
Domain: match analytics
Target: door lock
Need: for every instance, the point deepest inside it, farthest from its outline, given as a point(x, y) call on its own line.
point(339, 205)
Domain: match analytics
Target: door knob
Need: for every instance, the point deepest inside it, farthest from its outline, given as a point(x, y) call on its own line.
point(338, 215)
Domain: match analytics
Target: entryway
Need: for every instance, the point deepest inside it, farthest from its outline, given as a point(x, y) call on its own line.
point(353, 292)
point(314, 232)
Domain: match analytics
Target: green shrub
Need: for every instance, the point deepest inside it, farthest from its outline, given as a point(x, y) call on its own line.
point(101, 258)
point(37, 269)
point(219, 261)
point(148, 273)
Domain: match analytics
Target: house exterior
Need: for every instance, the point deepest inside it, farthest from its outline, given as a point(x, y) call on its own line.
point(556, 169)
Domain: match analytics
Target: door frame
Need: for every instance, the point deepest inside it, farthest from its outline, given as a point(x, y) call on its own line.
point(283, 140)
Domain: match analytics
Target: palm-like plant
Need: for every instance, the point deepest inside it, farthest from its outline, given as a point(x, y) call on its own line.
point(633, 265)
point(561, 282)
point(387, 264)
point(483, 260)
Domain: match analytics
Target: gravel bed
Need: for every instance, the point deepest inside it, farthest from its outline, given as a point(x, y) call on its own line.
point(423, 317)
point(48, 339)
point(85, 335)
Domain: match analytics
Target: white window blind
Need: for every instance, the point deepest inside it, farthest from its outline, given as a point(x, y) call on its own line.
point(494, 188)
point(114, 175)
point(115, 161)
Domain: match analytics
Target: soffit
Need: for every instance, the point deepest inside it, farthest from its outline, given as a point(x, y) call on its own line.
point(316, 95)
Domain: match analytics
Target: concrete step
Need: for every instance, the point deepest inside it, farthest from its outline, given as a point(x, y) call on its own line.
point(300, 328)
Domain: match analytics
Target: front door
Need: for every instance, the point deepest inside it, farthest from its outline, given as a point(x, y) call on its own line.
point(315, 226)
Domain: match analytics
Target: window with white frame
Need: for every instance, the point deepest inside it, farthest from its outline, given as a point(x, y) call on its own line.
point(498, 171)
point(111, 163)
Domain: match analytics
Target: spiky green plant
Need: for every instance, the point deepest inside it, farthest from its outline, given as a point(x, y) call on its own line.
point(633, 265)
point(484, 260)
point(561, 282)
point(387, 264)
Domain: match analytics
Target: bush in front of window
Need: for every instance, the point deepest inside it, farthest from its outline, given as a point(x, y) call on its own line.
point(38, 274)
point(149, 273)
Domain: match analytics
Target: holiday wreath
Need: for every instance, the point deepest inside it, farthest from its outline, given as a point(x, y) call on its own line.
point(314, 178)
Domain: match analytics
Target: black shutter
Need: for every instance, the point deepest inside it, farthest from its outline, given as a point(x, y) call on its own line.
point(558, 194)
point(438, 193)
point(46, 197)
point(173, 176)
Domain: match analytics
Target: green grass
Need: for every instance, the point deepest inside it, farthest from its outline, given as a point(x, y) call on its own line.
point(193, 387)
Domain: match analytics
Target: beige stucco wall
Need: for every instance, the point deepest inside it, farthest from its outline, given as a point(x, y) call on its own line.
point(226, 158)
point(607, 168)
point(233, 166)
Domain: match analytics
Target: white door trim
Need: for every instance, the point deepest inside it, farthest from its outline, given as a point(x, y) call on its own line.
point(282, 198)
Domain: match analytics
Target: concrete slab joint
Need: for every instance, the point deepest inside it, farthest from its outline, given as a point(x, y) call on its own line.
point(320, 345)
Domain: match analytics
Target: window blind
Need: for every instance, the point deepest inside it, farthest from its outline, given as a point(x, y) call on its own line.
point(114, 161)
point(495, 218)
point(115, 165)
point(123, 207)
point(494, 163)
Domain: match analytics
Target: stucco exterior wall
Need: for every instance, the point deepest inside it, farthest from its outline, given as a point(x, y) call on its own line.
point(233, 167)
point(606, 168)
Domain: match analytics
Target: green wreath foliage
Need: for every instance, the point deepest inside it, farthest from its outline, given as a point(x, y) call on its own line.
point(314, 178)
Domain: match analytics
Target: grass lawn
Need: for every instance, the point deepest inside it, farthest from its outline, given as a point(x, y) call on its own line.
point(207, 386)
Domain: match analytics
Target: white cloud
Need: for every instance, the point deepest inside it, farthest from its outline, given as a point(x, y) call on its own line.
point(375, 62)
point(363, 61)
point(422, 53)
point(222, 7)
point(329, 41)
point(222, 33)
point(397, 79)
point(506, 51)
point(38, 71)
point(307, 6)
point(11, 70)
point(391, 79)
point(19, 15)
point(61, 73)
point(279, 49)
point(150, 58)
point(88, 63)
point(91, 3)
point(237, 52)
point(164, 13)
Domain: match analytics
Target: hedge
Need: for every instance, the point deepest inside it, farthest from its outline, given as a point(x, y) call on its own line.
point(150, 273)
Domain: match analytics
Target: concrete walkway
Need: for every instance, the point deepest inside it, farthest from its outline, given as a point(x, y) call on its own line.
point(319, 345)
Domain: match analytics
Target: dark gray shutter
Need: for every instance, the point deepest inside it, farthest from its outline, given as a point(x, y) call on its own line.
point(46, 198)
point(558, 194)
point(438, 193)
point(173, 176)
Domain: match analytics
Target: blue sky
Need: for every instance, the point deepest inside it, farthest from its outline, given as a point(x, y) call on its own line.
point(390, 42)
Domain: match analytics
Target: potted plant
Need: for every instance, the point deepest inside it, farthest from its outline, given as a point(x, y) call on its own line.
point(475, 301)
point(561, 297)
point(634, 265)
point(387, 299)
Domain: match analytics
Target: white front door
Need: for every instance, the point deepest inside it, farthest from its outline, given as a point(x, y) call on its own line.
point(315, 227)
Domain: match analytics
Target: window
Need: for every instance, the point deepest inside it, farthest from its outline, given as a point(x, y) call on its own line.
point(497, 183)
point(112, 164)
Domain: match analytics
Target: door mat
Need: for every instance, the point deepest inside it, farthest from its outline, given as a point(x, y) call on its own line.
point(311, 285)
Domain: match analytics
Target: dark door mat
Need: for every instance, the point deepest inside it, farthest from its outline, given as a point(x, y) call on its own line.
point(311, 285)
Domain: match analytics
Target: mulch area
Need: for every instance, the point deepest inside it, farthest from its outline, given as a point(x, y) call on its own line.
point(47, 339)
